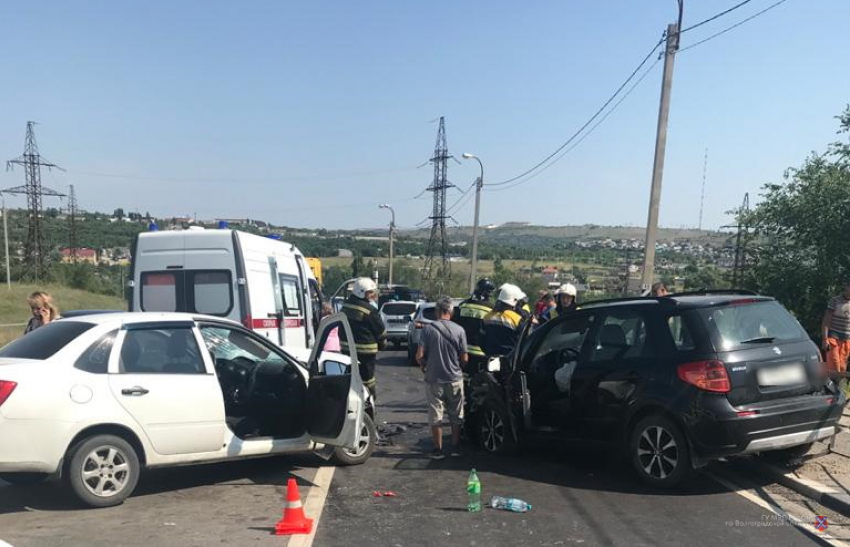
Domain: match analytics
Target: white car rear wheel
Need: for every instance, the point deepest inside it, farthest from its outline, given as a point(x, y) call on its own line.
point(103, 470)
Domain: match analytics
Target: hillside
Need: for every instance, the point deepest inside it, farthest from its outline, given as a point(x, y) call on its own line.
point(14, 310)
point(518, 232)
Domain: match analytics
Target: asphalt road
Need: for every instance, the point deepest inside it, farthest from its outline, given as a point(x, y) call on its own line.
point(581, 496)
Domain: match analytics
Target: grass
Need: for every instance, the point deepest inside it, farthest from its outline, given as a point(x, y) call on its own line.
point(14, 310)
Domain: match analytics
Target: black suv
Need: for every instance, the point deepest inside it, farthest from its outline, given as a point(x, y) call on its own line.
point(676, 380)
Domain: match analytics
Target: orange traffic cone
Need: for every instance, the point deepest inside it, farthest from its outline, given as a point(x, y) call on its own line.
point(293, 521)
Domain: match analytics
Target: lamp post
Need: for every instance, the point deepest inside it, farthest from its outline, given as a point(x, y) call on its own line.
point(392, 230)
point(478, 185)
point(6, 242)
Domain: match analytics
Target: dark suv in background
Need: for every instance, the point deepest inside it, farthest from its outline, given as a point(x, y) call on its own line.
point(676, 381)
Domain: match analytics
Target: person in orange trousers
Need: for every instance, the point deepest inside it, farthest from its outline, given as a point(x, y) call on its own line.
point(836, 333)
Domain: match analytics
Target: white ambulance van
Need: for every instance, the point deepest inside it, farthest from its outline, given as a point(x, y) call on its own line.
point(261, 282)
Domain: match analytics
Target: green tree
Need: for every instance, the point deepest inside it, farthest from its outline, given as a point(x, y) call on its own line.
point(799, 231)
point(358, 267)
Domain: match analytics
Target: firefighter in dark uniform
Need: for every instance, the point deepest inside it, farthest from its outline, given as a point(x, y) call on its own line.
point(470, 314)
point(366, 326)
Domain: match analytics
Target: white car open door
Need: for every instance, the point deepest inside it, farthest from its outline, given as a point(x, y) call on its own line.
point(335, 398)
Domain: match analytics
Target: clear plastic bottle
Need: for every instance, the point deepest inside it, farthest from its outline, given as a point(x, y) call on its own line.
point(509, 504)
point(473, 488)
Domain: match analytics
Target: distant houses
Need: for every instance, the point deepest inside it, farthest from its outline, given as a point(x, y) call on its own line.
point(117, 256)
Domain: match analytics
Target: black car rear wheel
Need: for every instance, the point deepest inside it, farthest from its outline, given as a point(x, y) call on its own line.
point(494, 430)
point(659, 452)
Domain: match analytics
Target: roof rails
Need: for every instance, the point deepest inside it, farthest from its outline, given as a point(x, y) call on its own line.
point(701, 292)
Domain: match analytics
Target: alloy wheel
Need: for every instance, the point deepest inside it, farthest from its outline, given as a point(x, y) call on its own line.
point(657, 452)
point(362, 443)
point(492, 431)
point(105, 471)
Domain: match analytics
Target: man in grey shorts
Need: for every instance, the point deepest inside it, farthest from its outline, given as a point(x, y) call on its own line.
point(441, 354)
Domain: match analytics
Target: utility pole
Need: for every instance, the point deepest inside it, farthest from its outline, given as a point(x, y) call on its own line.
point(6, 242)
point(672, 45)
point(392, 230)
point(478, 185)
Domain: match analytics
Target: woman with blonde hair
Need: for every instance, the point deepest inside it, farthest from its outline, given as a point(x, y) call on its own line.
point(43, 310)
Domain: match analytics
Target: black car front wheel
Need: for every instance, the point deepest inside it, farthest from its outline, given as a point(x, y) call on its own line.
point(494, 429)
point(659, 452)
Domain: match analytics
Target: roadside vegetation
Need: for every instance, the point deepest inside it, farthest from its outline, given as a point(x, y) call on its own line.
point(14, 310)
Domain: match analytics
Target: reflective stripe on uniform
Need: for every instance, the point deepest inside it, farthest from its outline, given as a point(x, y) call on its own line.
point(475, 350)
point(367, 348)
point(474, 311)
point(506, 318)
point(370, 382)
point(360, 309)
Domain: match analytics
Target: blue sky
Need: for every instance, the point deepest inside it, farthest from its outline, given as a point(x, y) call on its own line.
point(312, 113)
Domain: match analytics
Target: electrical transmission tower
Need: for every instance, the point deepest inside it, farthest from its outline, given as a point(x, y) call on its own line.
point(702, 194)
point(73, 211)
point(741, 240)
point(437, 273)
point(34, 259)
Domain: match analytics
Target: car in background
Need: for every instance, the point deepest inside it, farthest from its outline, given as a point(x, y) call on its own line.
point(96, 398)
point(675, 381)
point(425, 314)
point(396, 316)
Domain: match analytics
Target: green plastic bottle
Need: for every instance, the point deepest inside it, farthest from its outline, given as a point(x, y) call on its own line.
point(473, 488)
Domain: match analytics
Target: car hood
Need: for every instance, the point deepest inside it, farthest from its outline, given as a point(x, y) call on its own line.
point(14, 361)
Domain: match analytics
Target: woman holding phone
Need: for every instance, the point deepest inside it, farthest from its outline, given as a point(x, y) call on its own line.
point(43, 311)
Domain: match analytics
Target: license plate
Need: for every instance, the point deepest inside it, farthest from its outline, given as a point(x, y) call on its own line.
point(787, 375)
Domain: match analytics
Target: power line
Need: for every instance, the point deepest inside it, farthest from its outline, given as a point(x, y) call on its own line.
point(717, 16)
point(587, 134)
point(736, 25)
point(346, 175)
point(588, 122)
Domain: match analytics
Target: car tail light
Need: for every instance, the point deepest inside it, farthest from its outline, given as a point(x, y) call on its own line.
point(706, 375)
point(420, 325)
point(6, 389)
point(745, 413)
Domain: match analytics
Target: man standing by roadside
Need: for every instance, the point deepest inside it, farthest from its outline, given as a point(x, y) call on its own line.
point(836, 333)
point(441, 354)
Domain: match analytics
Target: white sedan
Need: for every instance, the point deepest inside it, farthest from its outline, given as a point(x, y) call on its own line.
point(95, 398)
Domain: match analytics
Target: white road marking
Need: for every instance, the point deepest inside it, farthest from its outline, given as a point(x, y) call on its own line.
point(776, 510)
point(314, 504)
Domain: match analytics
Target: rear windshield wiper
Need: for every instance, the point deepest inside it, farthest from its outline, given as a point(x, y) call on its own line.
point(762, 340)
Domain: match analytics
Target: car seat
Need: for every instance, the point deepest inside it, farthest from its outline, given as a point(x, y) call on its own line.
point(612, 343)
point(131, 351)
point(181, 359)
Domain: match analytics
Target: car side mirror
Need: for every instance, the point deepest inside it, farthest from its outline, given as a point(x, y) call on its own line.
point(335, 368)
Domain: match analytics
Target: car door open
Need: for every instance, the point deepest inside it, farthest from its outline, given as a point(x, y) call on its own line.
point(335, 399)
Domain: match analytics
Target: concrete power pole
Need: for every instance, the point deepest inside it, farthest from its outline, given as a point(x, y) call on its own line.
point(658, 167)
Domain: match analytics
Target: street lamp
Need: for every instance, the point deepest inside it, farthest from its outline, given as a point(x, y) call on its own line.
point(478, 185)
point(392, 229)
point(6, 241)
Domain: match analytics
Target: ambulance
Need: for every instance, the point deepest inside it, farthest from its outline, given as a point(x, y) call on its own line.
point(262, 282)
